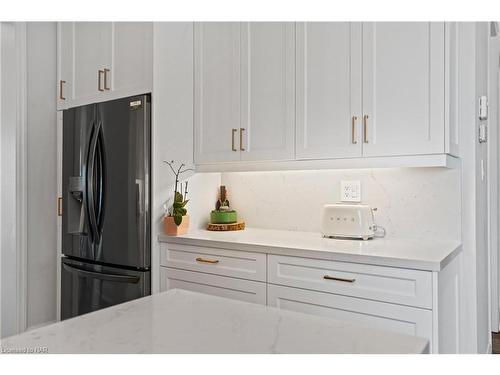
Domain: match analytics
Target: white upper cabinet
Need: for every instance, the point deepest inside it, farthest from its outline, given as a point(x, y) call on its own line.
point(65, 68)
point(317, 91)
point(132, 56)
point(328, 90)
point(216, 91)
point(100, 61)
point(92, 51)
point(268, 91)
point(244, 91)
point(403, 88)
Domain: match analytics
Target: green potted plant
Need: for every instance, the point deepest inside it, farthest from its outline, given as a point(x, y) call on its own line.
point(176, 220)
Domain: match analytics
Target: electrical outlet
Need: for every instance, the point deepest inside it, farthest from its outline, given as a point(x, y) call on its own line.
point(350, 191)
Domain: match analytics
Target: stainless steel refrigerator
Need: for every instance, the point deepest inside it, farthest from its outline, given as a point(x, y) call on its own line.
point(106, 205)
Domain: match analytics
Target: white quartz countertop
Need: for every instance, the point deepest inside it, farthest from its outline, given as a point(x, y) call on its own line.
point(179, 321)
point(416, 253)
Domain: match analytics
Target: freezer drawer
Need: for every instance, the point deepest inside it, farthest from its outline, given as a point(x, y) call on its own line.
point(87, 287)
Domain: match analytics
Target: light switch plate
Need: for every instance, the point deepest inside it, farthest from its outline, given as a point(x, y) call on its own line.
point(483, 108)
point(350, 191)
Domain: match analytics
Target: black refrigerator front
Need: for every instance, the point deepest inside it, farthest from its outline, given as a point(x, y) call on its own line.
point(106, 199)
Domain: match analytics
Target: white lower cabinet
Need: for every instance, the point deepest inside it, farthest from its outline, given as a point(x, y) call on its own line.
point(387, 316)
point(407, 301)
point(229, 287)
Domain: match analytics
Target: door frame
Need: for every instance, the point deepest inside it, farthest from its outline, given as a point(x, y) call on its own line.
point(19, 160)
point(494, 172)
point(21, 197)
point(22, 178)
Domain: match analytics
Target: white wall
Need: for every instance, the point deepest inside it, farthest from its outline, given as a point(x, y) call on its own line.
point(173, 129)
point(41, 174)
point(8, 255)
point(410, 201)
point(28, 176)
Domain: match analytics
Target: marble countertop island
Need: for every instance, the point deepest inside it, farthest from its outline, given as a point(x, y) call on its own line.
point(179, 321)
point(416, 253)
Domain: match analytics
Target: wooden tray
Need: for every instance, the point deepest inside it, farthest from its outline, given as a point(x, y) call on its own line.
point(226, 227)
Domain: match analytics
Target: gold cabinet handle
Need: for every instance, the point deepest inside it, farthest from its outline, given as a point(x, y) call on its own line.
point(106, 71)
point(353, 130)
point(327, 277)
point(99, 81)
point(365, 128)
point(241, 139)
point(59, 206)
point(232, 139)
point(61, 84)
point(211, 261)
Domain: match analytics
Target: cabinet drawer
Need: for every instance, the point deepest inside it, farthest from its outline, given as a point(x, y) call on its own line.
point(243, 290)
point(396, 285)
point(241, 264)
point(380, 315)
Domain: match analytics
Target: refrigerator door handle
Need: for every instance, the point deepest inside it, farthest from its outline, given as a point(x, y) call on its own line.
point(102, 276)
point(91, 184)
point(101, 180)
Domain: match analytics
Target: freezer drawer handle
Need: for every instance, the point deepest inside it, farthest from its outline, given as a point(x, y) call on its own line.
point(103, 276)
point(211, 261)
point(327, 277)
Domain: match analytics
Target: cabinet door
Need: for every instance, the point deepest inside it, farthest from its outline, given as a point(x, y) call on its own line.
point(65, 61)
point(238, 289)
point(132, 57)
point(268, 89)
point(328, 90)
point(216, 91)
point(93, 47)
point(403, 88)
point(380, 315)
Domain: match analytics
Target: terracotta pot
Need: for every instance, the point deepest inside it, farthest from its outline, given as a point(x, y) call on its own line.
point(171, 229)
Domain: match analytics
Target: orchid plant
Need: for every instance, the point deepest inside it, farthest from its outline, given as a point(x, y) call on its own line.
point(178, 208)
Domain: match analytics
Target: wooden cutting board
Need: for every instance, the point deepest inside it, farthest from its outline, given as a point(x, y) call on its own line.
point(226, 227)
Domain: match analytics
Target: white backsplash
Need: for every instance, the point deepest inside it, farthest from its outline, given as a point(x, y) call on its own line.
point(410, 201)
point(203, 190)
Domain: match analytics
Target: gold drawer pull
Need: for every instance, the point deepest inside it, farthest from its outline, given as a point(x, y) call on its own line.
point(211, 261)
point(326, 277)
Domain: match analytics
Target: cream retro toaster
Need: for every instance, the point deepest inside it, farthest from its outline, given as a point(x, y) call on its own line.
point(343, 220)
